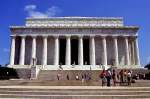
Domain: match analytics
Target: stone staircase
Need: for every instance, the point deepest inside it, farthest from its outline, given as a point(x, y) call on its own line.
point(94, 74)
point(48, 87)
point(74, 92)
point(52, 74)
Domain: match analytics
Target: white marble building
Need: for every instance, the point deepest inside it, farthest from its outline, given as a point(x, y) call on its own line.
point(86, 42)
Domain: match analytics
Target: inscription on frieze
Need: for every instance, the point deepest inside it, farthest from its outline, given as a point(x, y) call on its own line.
point(73, 31)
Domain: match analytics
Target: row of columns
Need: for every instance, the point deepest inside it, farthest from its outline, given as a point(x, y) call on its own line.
point(68, 50)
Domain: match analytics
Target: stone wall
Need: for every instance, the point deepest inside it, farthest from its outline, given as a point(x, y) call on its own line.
point(24, 73)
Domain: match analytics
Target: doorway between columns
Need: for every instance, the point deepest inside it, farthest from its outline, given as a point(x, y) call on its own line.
point(74, 51)
point(86, 55)
point(62, 51)
point(17, 50)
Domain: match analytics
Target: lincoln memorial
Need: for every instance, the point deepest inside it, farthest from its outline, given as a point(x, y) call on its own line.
point(74, 43)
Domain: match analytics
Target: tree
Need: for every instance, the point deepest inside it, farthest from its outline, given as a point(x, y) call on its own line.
point(147, 66)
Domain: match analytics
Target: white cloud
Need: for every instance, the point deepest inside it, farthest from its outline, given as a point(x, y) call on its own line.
point(30, 7)
point(32, 11)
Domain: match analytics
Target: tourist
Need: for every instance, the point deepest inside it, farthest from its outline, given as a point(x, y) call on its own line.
point(77, 77)
point(121, 77)
point(82, 78)
point(129, 76)
point(125, 73)
point(89, 76)
point(67, 77)
point(103, 77)
point(60, 67)
point(108, 77)
point(114, 77)
point(58, 76)
point(85, 76)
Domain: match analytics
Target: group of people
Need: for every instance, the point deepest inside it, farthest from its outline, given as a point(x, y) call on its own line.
point(124, 77)
point(83, 77)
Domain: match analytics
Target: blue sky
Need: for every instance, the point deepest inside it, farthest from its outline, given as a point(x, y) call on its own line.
point(134, 12)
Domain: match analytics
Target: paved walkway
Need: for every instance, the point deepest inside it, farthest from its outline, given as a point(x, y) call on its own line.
point(73, 87)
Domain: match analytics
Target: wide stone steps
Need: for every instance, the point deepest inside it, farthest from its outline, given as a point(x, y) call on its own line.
point(52, 74)
point(139, 83)
point(74, 92)
point(94, 74)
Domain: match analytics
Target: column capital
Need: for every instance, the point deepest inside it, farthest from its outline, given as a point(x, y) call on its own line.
point(114, 37)
point(33, 36)
point(45, 36)
point(56, 36)
point(80, 36)
point(68, 36)
point(126, 37)
point(23, 36)
point(135, 37)
point(91, 36)
point(103, 36)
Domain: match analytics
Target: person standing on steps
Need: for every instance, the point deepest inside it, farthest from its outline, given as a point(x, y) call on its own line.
point(114, 74)
point(108, 77)
point(103, 77)
point(129, 77)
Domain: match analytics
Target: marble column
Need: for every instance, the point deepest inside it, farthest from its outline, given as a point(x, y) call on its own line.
point(92, 50)
point(127, 51)
point(56, 53)
point(22, 51)
point(33, 48)
point(80, 50)
point(44, 62)
point(133, 51)
point(104, 50)
point(137, 52)
point(68, 51)
point(12, 52)
point(115, 50)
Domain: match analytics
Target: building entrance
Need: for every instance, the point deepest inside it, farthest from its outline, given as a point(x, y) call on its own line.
point(74, 51)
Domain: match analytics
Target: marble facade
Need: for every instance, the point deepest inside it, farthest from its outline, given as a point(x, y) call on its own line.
point(109, 42)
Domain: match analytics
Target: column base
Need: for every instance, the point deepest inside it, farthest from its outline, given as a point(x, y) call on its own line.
point(73, 67)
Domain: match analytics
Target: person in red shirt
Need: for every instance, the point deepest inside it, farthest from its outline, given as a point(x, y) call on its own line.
point(103, 77)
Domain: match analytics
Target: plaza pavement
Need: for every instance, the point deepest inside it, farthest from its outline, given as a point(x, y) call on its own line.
point(28, 91)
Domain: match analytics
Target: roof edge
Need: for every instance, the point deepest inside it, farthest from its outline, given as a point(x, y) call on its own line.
point(76, 17)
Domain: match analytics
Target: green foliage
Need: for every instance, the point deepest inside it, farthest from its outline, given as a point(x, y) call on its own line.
point(7, 73)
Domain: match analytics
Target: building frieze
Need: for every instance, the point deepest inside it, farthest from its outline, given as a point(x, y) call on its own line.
point(74, 31)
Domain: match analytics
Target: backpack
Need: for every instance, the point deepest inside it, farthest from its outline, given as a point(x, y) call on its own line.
point(108, 74)
point(102, 75)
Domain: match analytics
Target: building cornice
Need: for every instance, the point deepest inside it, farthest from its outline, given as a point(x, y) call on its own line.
point(97, 27)
point(74, 18)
